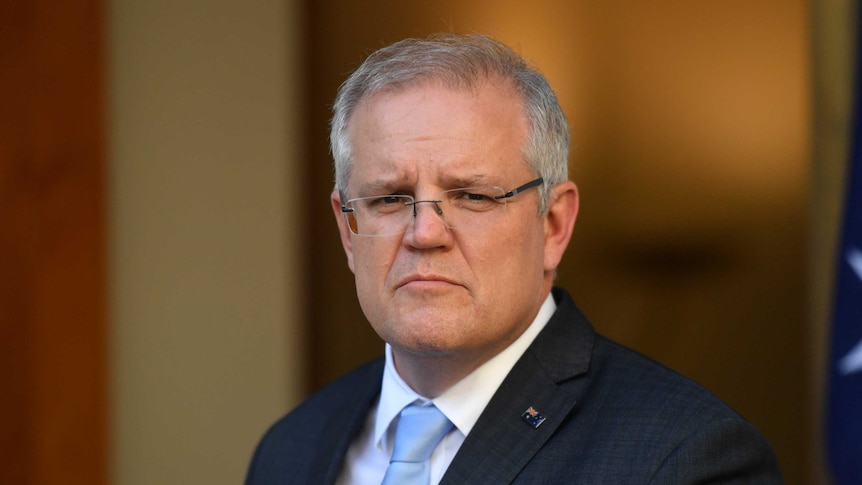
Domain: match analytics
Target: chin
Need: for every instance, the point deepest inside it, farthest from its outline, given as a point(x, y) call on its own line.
point(431, 339)
point(430, 351)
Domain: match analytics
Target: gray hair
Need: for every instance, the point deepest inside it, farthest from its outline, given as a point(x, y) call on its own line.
point(459, 61)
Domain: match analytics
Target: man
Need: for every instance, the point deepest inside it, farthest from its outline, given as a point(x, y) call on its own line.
point(454, 208)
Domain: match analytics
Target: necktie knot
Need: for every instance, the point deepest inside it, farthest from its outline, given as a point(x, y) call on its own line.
point(419, 431)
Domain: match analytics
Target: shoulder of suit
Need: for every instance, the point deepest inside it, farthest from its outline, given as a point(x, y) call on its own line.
point(360, 384)
point(648, 380)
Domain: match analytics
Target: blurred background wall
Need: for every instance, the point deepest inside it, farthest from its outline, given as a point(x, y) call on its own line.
point(171, 280)
point(205, 286)
point(53, 330)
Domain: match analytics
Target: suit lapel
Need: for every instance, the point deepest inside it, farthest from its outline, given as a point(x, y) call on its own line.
point(503, 440)
point(345, 423)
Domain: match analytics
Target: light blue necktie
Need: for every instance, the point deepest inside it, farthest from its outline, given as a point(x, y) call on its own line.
point(419, 430)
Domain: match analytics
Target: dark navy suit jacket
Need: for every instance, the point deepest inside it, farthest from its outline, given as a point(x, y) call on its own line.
point(612, 416)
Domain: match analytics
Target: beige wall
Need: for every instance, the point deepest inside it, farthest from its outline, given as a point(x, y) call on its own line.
point(204, 168)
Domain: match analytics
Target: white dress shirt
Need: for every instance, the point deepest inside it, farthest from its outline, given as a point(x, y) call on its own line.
point(368, 456)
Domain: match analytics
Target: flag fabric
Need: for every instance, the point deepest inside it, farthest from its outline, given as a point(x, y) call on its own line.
point(844, 427)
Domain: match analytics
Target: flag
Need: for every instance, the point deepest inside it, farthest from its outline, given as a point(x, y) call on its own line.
point(844, 427)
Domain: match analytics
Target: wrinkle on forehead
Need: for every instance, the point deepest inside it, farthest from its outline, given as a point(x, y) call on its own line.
point(436, 137)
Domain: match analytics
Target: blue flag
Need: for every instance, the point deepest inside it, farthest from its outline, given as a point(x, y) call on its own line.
point(845, 402)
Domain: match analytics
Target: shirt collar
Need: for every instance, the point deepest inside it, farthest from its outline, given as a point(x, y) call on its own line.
point(464, 402)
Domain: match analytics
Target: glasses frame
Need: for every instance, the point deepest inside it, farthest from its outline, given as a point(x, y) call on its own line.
point(413, 202)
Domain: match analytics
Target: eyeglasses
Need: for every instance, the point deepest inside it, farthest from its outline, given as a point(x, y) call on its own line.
point(389, 215)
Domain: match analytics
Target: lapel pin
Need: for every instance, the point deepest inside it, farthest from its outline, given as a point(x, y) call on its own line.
point(533, 417)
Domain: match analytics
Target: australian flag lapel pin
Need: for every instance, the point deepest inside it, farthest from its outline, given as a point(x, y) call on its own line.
point(533, 417)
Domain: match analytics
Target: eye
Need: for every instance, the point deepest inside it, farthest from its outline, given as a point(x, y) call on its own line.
point(385, 204)
point(474, 199)
point(383, 200)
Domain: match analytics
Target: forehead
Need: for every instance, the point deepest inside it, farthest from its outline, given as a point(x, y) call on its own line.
point(433, 128)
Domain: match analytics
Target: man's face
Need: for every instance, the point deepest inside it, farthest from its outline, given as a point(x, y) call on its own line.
point(433, 290)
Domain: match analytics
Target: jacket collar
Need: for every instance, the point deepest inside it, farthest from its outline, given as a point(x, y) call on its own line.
point(531, 403)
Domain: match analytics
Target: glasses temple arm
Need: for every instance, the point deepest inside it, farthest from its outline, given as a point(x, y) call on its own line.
point(515, 191)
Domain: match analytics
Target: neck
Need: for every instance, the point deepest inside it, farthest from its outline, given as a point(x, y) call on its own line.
point(431, 376)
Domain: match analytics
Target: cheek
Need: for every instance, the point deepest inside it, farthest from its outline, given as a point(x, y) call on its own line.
point(519, 264)
point(367, 280)
point(372, 261)
point(513, 249)
point(506, 266)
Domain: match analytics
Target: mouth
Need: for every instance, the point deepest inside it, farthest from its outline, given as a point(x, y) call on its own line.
point(427, 282)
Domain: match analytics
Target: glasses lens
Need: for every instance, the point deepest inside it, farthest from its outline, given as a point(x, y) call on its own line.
point(379, 216)
point(473, 199)
point(471, 208)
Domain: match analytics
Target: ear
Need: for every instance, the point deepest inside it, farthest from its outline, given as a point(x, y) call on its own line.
point(560, 222)
point(343, 230)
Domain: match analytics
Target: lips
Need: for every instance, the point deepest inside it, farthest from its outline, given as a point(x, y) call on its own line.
point(427, 279)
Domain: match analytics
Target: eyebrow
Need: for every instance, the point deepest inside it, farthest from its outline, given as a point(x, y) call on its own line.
point(468, 181)
point(382, 186)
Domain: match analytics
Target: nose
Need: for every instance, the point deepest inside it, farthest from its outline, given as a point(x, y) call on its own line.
point(429, 226)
